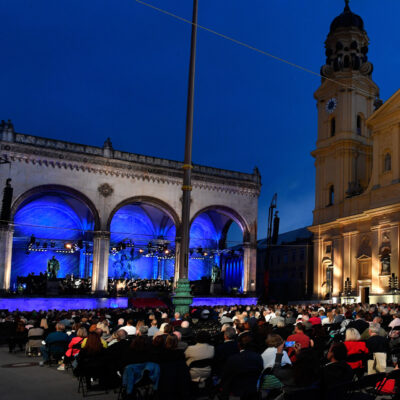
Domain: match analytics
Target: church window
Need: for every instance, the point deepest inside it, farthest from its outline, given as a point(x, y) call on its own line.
point(333, 127)
point(331, 195)
point(359, 122)
point(388, 162)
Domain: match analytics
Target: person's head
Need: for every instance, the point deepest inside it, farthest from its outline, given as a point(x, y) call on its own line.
point(337, 352)
point(280, 324)
point(139, 324)
point(348, 314)
point(60, 327)
point(299, 328)
point(245, 341)
point(158, 341)
point(229, 333)
point(171, 342)
point(168, 329)
point(143, 330)
point(274, 340)
point(352, 335)
point(99, 332)
point(121, 334)
point(129, 322)
point(93, 343)
point(360, 314)
point(185, 324)
point(120, 322)
point(177, 315)
point(82, 332)
point(154, 322)
point(377, 320)
point(374, 328)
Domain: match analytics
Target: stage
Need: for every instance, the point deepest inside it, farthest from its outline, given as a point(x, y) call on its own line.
point(75, 303)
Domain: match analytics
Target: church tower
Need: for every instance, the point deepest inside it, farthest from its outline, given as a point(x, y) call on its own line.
point(346, 98)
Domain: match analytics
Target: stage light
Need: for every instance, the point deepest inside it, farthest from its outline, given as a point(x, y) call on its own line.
point(141, 251)
point(68, 246)
point(166, 251)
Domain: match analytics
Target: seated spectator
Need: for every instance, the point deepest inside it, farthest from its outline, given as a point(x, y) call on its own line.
point(225, 350)
point(74, 347)
point(129, 328)
point(177, 319)
point(315, 319)
point(330, 319)
point(268, 356)
point(153, 330)
point(359, 323)
point(59, 336)
point(378, 348)
point(99, 333)
point(242, 370)
point(300, 338)
point(354, 346)
point(200, 351)
point(91, 362)
point(337, 371)
point(174, 373)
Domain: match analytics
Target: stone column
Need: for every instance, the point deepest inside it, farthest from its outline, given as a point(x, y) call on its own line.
point(249, 268)
point(101, 253)
point(177, 258)
point(376, 267)
point(6, 245)
point(318, 243)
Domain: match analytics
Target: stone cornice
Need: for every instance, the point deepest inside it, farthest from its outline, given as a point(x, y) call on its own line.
point(145, 169)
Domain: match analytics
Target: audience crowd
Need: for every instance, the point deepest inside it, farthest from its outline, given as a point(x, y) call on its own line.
point(280, 350)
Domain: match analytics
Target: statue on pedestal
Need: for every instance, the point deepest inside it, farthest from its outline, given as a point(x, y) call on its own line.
point(215, 274)
point(53, 266)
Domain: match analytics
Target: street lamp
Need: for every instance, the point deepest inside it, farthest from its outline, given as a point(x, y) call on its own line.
point(183, 297)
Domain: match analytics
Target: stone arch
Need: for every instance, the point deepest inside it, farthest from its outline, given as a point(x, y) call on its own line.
point(56, 189)
point(229, 212)
point(160, 204)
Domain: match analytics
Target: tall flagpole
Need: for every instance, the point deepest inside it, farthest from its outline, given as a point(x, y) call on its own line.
point(183, 298)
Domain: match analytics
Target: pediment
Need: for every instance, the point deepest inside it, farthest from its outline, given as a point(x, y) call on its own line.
point(364, 257)
point(390, 107)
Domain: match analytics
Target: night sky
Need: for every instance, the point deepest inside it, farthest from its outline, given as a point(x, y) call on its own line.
point(83, 70)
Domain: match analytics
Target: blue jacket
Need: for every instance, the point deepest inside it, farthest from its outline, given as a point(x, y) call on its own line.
point(133, 373)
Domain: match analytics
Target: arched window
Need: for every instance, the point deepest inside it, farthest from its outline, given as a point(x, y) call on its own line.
point(388, 162)
point(359, 125)
point(331, 195)
point(333, 127)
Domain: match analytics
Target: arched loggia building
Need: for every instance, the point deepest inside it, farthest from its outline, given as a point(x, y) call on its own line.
point(96, 188)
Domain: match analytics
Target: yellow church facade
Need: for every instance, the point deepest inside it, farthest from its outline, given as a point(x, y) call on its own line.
point(357, 198)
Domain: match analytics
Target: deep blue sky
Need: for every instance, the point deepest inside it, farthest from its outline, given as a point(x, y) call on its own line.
point(82, 70)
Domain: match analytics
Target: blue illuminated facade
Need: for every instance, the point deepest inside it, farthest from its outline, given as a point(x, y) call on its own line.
point(142, 240)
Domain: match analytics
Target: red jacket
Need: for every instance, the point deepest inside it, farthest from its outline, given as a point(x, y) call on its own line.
point(356, 348)
point(70, 351)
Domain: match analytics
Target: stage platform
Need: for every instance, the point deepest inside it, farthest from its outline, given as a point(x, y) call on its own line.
point(75, 303)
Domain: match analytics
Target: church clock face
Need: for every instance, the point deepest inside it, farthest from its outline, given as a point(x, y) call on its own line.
point(331, 105)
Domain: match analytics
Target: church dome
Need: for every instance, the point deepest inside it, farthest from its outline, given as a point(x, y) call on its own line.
point(347, 19)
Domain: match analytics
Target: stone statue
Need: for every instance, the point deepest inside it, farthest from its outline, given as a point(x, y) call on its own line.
point(215, 274)
point(385, 261)
point(53, 266)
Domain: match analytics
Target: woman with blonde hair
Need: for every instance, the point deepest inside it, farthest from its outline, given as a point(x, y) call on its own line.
point(329, 318)
point(354, 346)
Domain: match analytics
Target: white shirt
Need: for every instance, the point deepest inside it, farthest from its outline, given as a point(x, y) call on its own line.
point(269, 316)
point(269, 356)
point(130, 330)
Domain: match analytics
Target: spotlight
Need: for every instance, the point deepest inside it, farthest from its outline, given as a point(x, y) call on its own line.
point(68, 246)
point(166, 251)
point(141, 251)
point(205, 254)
